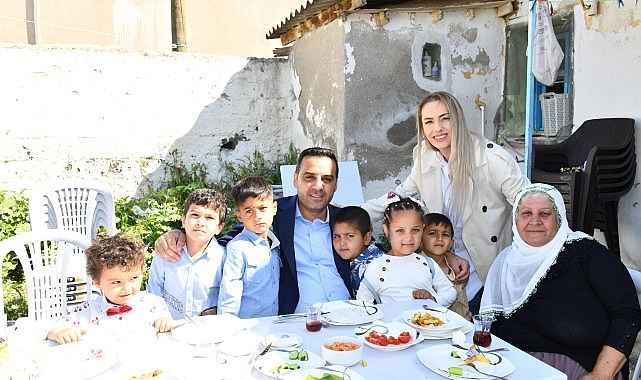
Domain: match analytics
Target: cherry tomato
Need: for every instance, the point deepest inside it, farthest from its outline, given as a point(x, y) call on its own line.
point(383, 342)
point(371, 339)
point(404, 338)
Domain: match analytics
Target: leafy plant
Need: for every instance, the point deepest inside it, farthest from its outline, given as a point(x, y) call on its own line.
point(14, 219)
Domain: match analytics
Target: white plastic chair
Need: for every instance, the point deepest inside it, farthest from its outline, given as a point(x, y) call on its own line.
point(636, 278)
point(44, 256)
point(77, 206)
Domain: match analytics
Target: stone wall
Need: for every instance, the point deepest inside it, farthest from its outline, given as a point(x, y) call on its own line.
point(113, 115)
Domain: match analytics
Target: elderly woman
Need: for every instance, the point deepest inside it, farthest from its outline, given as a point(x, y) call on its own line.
point(560, 295)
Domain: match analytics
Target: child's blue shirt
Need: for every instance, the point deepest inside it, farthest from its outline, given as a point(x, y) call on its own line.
point(191, 284)
point(251, 276)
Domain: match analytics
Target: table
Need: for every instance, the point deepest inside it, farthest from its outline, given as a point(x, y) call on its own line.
point(380, 365)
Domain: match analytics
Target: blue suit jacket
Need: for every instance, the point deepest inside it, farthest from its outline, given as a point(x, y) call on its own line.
point(283, 228)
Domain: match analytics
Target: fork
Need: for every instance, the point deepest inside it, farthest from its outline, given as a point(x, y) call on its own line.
point(366, 329)
point(344, 373)
point(483, 373)
point(192, 320)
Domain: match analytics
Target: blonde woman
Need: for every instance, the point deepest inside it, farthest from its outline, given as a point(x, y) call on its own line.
point(471, 180)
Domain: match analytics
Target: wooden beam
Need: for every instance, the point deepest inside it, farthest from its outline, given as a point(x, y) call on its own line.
point(505, 9)
point(325, 17)
point(437, 15)
point(179, 36)
point(470, 14)
point(380, 18)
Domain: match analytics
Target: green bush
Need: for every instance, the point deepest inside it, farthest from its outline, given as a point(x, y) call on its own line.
point(14, 219)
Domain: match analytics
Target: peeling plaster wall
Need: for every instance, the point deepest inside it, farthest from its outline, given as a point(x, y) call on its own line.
point(113, 115)
point(607, 83)
point(384, 83)
point(318, 61)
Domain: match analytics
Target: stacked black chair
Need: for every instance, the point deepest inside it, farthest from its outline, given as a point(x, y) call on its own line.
point(593, 168)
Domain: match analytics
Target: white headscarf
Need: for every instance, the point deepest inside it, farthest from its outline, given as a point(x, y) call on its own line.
point(517, 270)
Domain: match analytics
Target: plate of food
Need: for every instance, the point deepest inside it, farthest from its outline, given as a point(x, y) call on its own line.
point(431, 322)
point(278, 364)
point(335, 372)
point(283, 340)
point(78, 360)
point(208, 329)
point(434, 335)
point(350, 313)
point(389, 336)
point(454, 363)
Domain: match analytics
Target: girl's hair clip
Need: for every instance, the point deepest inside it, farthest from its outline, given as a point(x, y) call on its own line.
point(393, 197)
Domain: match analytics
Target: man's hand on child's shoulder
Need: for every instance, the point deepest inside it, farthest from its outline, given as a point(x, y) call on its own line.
point(64, 335)
point(163, 324)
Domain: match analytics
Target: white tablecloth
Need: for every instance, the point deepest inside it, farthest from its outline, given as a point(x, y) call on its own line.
point(380, 365)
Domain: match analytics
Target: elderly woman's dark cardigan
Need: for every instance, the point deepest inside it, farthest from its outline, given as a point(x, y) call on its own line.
point(586, 300)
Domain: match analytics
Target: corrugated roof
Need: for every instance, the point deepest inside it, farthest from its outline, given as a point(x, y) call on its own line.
point(299, 16)
point(315, 7)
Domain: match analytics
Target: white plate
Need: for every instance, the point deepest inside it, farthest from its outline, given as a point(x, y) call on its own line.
point(146, 357)
point(211, 329)
point(439, 359)
point(265, 363)
point(318, 372)
point(350, 313)
point(435, 335)
point(452, 321)
point(77, 361)
point(393, 329)
point(283, 340)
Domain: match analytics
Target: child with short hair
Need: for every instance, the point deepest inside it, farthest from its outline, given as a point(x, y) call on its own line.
point(402, 274)
point(191, 285)
point(438, 238)
point(251, 273)
point(352, 240)
point(115, 265)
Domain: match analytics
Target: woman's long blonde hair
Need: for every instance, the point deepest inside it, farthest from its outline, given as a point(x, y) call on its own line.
point(462, 159)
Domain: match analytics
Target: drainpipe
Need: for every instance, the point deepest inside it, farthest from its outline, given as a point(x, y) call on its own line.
point(530, 97)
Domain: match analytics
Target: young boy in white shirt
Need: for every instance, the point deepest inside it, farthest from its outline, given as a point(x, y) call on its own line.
point(251, 272)
point(115, 265)
point(191, 285)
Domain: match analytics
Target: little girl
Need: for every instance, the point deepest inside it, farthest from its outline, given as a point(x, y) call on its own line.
point(401, 274)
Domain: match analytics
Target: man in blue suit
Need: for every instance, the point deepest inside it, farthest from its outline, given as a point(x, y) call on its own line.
point(311, 270)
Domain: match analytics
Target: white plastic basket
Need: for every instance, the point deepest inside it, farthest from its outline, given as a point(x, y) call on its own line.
point(556, 112)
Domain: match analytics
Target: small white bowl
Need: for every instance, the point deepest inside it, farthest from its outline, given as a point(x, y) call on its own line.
point(345, 358)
